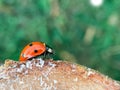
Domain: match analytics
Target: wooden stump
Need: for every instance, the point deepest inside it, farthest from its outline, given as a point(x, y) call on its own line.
point(38, 74)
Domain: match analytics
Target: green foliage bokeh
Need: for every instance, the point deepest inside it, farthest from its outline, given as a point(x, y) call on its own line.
point(75, 29)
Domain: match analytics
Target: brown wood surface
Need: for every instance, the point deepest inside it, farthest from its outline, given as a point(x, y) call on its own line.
point(52, 75)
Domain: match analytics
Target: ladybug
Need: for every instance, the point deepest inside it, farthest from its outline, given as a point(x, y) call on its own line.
point(35, 49)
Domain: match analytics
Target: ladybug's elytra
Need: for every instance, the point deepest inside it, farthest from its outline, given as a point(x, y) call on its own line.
point(34, 49)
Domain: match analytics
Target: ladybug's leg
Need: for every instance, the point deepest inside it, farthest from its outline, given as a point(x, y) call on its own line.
point(44, 55)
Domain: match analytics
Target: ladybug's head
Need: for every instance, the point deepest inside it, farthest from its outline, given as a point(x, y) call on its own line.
point(49, 50)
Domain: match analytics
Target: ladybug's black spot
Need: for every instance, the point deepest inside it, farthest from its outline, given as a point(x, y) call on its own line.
point(35, 51)
point(30, 44)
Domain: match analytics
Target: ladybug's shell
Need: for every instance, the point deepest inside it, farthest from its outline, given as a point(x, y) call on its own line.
point(32, 50)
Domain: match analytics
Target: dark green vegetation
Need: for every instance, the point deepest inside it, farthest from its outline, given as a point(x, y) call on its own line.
point(77, 31)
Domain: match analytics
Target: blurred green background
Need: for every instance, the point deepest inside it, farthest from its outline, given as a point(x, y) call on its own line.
point(81, 31)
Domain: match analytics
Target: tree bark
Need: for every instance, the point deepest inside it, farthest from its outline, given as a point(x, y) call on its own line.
point(39, 74)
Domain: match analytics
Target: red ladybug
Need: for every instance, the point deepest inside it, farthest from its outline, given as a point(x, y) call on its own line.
point(35, 49)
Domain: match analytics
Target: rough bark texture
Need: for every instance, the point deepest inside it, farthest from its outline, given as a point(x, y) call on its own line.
point(52, 75)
